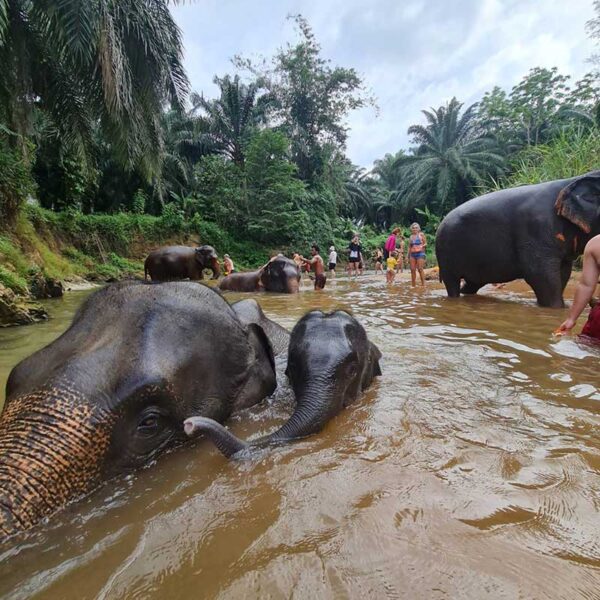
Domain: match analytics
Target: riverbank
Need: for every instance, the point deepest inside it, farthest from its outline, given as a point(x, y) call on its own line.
point(45, 253)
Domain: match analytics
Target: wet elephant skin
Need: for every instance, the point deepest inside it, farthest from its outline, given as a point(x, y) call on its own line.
point(281, 275)
point(181, 262)
point(330, 363)
point(112, 392)
point(534, 232)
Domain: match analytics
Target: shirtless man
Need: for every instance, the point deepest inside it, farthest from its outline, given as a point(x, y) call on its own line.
point(317, 265)
point(585, 289)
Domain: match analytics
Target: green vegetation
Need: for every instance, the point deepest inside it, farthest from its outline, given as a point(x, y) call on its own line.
point(121, 158)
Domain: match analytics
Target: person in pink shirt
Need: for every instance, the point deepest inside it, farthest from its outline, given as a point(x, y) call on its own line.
point(390, 244)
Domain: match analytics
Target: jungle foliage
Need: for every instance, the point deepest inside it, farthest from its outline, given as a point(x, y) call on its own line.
point(97, 123)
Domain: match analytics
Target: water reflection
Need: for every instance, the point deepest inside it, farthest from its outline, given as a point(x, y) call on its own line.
point(471, 469)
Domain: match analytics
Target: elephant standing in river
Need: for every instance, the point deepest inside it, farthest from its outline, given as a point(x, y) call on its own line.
point(279, 275)
point(113, 391)
point(533, 231)
point(330, 362)
point(181, 262)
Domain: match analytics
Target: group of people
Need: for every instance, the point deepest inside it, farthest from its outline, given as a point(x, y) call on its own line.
point(392, 255)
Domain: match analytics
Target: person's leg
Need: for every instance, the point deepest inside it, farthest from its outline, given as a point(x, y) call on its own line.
point(421, 266)
point(413, 271)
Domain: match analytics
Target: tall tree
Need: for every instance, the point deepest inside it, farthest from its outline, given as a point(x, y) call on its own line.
point(452, 159)
point(86, 62)
point(230, 120)
point(313, 99)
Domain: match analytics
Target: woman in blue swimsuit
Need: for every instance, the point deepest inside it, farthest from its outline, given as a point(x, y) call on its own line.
point(416, 253)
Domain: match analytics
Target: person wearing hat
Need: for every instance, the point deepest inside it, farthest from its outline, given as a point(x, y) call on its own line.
point(332, 260)
point(228, 265)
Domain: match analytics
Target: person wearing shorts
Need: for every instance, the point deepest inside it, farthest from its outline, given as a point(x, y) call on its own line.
point(416, 253)
point(332, 261)
point(354, 257)
point(318, 266)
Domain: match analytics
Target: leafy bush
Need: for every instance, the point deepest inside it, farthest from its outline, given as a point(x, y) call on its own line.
point(572, 153)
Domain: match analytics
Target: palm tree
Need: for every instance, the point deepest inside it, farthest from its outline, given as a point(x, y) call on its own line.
point(453, 158)
point(230, 119)
point(88, 63)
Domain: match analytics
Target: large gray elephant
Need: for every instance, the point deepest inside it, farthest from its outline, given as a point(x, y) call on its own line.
point(330, 362)
point(113, 391)
point(279, 275)
point(181, 262)
point(534, 232)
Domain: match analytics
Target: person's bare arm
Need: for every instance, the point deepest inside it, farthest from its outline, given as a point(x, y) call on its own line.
point(585, 287)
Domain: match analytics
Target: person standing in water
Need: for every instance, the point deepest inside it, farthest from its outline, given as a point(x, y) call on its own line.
point(417, 243)
point(378, 261)
point(228, 265)
point(354, 258)
point(390, 244)
point(584, 292)
point(318, 266)
point(332, 261)
point(391, 263)
point(400, 251)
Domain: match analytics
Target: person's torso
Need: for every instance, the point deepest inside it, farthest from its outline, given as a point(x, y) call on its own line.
point(416, 243)
point(333, 257)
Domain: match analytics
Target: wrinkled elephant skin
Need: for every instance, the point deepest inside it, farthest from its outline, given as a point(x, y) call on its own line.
point(330, 363)
point(171, 263)
point(280, 275)
point(113, 391)
point(533, 232)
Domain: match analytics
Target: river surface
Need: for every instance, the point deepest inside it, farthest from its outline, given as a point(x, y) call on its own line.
point(470, 469)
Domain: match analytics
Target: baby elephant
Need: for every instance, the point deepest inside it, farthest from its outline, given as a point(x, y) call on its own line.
point(330, 362)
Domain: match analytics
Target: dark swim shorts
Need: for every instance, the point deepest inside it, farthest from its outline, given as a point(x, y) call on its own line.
point(320, 281)
point(332, 266)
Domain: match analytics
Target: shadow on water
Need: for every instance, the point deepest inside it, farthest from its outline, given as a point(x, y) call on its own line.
point(471, 469)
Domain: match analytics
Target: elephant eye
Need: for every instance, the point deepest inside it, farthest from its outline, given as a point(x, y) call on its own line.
point(148, 423)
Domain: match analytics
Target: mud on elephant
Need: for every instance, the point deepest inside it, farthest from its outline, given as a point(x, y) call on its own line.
point(533, 231)
point(330, 363)
point(279, 275)
point(181, 262)
point(113, 391)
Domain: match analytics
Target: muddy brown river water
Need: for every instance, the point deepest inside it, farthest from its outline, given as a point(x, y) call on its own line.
point(471, 469)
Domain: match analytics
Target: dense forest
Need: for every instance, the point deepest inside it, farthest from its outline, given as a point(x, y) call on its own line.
point(97, 118)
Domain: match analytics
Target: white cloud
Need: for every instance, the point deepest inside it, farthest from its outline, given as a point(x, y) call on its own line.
point(413, 54)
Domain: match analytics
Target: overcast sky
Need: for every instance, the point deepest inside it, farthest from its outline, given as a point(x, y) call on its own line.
point(413, 54)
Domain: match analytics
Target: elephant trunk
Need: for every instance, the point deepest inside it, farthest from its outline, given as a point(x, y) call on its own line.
point(311, 414)
point(51, 445)
point(293, 285)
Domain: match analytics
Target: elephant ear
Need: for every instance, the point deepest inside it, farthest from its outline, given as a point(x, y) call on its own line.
point(579, 202)
point(260, 380)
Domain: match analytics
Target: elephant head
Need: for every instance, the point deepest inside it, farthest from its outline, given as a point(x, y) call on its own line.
point(330, 362)
point(280, 275)
point(208, 259)
point(579, 202)
point(112, 392)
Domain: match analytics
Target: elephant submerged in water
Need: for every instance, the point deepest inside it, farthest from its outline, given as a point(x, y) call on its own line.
point(533, 231)
point(330, 362)
point(181, 262)
point(113, 391)
point(279, 275)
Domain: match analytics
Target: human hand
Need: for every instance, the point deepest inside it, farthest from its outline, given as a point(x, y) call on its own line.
point(565, 327)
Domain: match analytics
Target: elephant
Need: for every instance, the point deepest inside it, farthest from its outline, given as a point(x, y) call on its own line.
point(112, 392)
point(330, 362)
point(279, 275)
point(533, 232)
point(181, 262)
